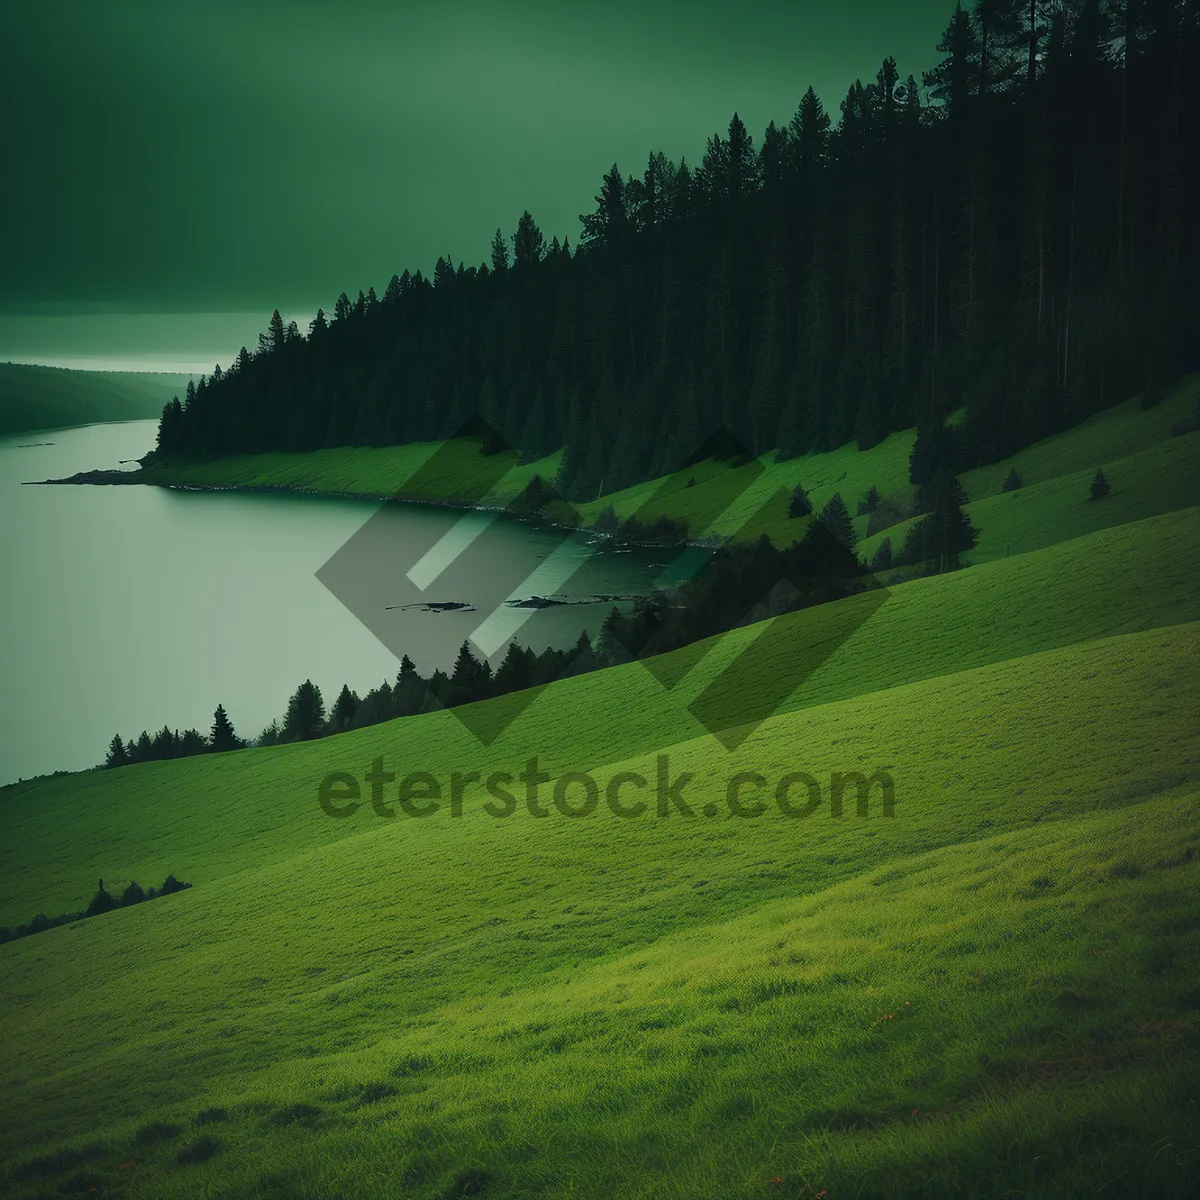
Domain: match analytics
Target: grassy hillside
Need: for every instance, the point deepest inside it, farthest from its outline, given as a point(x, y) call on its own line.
point(753, 500)
point(994, 991)
point(643, 1007)
point(1156, 480)
point(54, 397)
point(244, 810)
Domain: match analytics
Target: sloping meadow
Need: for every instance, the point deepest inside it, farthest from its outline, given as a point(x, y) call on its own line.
point(213, 816)
point(890, 1005)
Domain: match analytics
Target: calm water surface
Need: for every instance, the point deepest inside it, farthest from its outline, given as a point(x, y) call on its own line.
point(127, 608)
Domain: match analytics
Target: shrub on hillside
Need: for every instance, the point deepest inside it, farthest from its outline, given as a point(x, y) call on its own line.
point(1100, 487)
point(1013, 481)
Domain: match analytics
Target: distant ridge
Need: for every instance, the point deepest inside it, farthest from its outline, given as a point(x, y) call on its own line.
point(33, 397)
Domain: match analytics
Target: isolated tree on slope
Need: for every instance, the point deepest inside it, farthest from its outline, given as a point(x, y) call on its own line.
point(222, 737)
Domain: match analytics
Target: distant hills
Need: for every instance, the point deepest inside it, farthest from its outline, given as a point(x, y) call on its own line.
point(52, 397)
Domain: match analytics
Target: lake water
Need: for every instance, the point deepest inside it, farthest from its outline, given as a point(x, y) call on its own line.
point(127, 608)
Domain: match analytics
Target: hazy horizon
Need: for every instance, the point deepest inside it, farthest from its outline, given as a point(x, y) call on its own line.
point(173, 343)
point(321, 150)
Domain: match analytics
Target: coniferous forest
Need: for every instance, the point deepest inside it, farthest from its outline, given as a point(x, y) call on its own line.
point(1010, 240)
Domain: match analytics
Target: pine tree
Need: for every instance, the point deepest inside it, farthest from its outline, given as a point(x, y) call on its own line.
point(408, 694)
point(515, 672)
point(222, 737)
point(305, 718)
point(607, 228)
point(345, 707)
point(948, 530)
point(881, 560)
point(116, 753)
point(1100, 487)
point(836, 519)
point(955, 77)
point(528, 242)
point(1012, 480)
point(499, 253)
point(467, 680)
point(800, 505)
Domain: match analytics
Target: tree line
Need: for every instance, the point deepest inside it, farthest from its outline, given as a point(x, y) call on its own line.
point(1010, 240)
point(170, 743)
point(103, 901)
point(739, 584)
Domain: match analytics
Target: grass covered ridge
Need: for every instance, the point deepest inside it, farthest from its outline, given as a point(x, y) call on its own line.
point(994, 992)
point(643, 1007)
point(217, 814)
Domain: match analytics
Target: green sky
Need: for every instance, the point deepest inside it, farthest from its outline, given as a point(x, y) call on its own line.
point(214, 155)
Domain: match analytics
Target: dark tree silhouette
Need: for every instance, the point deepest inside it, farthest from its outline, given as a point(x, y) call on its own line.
point(344, 710)
point(222, 736)
point(116, 753)
point(835, 518)
point(305, 717)
point(1015, 251)
point(800, 505)
point(101, 902)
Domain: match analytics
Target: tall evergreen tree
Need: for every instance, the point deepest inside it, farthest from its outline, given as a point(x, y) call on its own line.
point(344, 710)
point(222, 736)
point(116, 753)
point(836, 519)
point(305, 716)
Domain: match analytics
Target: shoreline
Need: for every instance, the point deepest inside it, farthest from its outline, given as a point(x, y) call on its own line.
point(106, 478)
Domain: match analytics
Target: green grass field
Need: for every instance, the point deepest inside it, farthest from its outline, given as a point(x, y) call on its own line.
point(995, 991)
